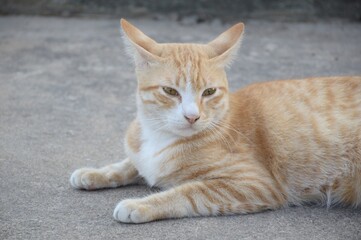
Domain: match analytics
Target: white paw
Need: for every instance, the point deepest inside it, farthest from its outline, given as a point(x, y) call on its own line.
point(79, 181)
point(130, 211)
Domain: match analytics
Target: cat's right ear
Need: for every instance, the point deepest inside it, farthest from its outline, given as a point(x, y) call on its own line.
point(226, 45)
point(142, 48)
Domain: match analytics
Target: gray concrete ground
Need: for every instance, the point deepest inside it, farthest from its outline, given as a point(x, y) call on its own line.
point(67, 95)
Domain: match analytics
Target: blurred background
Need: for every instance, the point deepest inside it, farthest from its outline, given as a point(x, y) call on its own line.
point(190, 10)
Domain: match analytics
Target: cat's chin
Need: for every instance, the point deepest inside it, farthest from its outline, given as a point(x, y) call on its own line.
point(184, 131)
point(187, 131)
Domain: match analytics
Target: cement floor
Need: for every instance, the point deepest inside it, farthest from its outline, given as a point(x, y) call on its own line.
point(67, 95)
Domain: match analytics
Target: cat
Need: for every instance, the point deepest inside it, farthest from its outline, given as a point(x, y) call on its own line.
point(263, 147)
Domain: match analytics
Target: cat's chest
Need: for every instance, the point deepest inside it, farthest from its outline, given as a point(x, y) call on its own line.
point(149, 161)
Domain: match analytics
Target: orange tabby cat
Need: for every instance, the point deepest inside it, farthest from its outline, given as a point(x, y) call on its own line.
point(263, 147)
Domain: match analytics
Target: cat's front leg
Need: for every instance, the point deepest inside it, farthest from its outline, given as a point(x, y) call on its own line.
point(206, 198)
point(110, 176)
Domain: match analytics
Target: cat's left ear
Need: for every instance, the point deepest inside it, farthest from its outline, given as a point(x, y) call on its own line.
point(144, 49)
point(226, 45)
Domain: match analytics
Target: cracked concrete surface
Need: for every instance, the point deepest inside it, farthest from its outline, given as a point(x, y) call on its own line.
point(67, 95)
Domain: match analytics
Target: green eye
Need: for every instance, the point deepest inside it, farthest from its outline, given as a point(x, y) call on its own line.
point(170, 91)
point(209, 91)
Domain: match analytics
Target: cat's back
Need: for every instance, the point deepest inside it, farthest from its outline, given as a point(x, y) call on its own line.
point(307, 132)
point(327, 99)
point(313, 111)
point(311, 91)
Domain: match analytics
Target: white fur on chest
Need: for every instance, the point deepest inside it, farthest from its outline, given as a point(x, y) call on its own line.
point(148, 161)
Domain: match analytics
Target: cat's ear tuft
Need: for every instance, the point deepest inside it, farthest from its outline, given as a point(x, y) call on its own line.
point(142, 48)
point(226, 45)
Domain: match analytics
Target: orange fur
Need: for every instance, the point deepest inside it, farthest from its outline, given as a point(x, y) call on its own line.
point(262, 147)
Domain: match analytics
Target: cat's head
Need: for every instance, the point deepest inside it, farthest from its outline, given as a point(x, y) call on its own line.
point(182, 88)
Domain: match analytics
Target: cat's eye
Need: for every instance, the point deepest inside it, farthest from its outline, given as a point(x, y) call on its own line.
point(170, 91)
point(209, 91)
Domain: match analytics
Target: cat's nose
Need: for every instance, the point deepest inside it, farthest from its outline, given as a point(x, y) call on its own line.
point(192, 118)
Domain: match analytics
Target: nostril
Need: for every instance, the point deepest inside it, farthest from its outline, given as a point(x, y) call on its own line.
point(192, 119)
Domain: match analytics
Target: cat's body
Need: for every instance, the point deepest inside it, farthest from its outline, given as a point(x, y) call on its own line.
point(263, 147)
point(308, 146)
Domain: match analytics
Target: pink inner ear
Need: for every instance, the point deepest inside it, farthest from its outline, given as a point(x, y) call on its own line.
point(226, 45)
point(146, 47)
point(227, 39)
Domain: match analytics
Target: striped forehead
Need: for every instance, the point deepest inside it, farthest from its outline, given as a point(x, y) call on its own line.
point(190, 66)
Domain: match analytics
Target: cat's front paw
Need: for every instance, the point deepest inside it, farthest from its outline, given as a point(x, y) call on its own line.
point(132, 211)
point(88, 179)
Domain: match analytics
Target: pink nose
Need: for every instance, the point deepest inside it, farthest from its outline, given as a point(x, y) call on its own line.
point(192, 119)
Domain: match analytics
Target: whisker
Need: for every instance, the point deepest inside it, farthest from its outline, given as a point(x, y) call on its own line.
point(217, 131)
point(230, 127)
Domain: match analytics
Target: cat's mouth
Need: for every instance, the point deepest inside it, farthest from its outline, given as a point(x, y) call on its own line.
point(188, 126)
point(188, 130)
